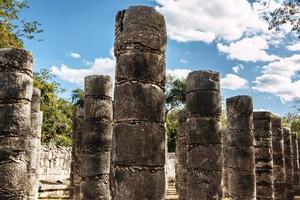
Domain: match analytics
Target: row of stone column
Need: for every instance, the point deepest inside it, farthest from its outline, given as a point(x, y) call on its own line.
point(259, 156)
point(20, 126)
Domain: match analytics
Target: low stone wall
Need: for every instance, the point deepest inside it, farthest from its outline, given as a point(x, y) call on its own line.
point(55, 164)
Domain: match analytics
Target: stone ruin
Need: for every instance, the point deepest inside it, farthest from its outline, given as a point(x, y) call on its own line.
point(119, 148)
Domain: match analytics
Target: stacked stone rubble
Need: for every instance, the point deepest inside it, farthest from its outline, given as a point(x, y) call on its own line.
point(289, 163)
point(34, 145)
point(139, 106)
point(225, 165)
point(78, 121)
point(181, 150)
point(278, 159)
point(96, 140)
point(204, 148)
point(15, 108)
point(263, 155)
point(295, 163)
point(240, 148)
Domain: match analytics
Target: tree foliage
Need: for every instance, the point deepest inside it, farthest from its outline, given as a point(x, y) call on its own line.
point(288, 12)
point(12, 28)
point(57, 112)
point(78, 97)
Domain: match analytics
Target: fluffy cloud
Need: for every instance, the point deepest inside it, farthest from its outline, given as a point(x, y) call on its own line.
point(198, 20)
point(179, 73)
point(281, 78)
point(294, 47)
point(237, 68)
point(248, 49)
point(233, 82)
point(75, 55)
point(100, 66)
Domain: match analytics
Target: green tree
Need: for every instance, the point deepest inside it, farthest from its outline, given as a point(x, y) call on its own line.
point(13, 29)
point(288, 12)
point(78, 97)
point(175, 93)
point(57, 112)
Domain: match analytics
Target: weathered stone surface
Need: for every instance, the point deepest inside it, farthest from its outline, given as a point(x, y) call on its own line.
point(241, 159)
point(97, 109)
point(78, 128)
point(238, 138)
point(148, 149)
point(296, 160)
point(139, 106)
point(278, 159)
point(18, 85)
point(140, 28)
point(239, 112)
point(139, 183)
point(12, 59)
point(205, 157)
point(95, 144)
point(203, 131)
point(203, 81)
point(143, 102)
point(208, 103)
point(207, 184)
point(263, 155)
point(181, 154)
point(96, 85)
point(15, 119)
point(97, 188)
point(241, 184)
point(239, 141)
point(204, 147)
point(95, 164)
point(15, 102)
point(289, 163)
point(143, 67)
point(97, 134)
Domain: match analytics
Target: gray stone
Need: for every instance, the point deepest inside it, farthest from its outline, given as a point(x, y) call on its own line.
point(95, 140)
point(241, 159)
point(139, 105)
point(15, 103)
point(204, 147)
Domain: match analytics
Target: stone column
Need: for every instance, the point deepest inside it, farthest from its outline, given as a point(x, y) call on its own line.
point(97, 138)
point(225, 164)
point(15, 108)
point(263, 155)
point(278, 159)
point(34, 145)
point(297, 190)
point(295, 162)
point(181, 150)
point(240, 142)
point(204, 153)
point(289, 163)
point(78, 124)
point(139, 106)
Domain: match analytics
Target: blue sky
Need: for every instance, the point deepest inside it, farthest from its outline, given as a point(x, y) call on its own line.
point(228, 36)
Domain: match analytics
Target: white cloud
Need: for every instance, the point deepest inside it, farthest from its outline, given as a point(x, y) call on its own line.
point(100, 66)
point(294, 47)
point(248, 49)
point(281, 78)
point(237, 68)
point(75, 55)
point(233, 82)
point(198, 20)
point(179, 73)
point(183, 61)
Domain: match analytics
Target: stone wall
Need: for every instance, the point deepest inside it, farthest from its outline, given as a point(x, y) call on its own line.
point(55, 164)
